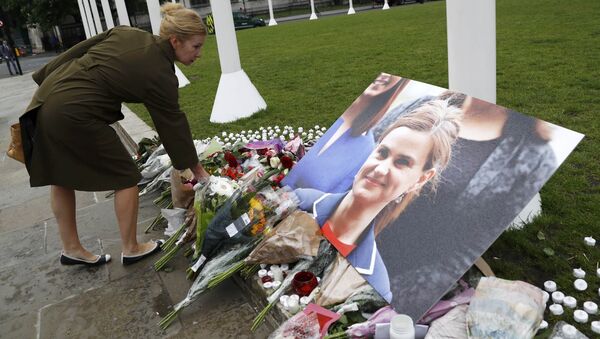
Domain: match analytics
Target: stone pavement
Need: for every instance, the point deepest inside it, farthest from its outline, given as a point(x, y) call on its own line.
point(39, 298)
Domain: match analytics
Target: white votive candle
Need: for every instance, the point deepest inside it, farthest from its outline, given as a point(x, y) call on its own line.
point(598, 273)
point(543, 325)
point(268, 285)
point(580, 316)
point(589, 241)
point(545, 296)
point(263, 266)
point(550, 286)
point(580, 285)
point(262, 273)
point(590, 307)
point(284, 267)
point(283, 300)
point(270, 274)
point(304, 301)
point(596, 326)
point(570, 302)
point(558, 297)
point(578, 273)
point(556, 309)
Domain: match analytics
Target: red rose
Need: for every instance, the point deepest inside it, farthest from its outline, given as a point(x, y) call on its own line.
point(231, 160)
point(287, 162)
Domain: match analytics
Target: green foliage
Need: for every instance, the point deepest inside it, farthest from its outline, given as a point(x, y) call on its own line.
point(43, 13)
point(309, 72)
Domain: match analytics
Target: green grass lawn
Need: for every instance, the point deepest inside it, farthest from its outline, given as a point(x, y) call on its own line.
point(548, 62)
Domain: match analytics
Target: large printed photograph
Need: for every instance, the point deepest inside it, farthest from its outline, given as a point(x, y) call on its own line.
point(414, 182)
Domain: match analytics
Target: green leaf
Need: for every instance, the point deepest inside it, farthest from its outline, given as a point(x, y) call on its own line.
point(541, 236)
point(549, 252)
point(343, 319)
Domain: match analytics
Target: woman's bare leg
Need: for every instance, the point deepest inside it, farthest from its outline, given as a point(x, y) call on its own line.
point(126, 209)
point(62, 201)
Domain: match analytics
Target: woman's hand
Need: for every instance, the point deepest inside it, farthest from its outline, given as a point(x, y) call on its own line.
point(200, 173)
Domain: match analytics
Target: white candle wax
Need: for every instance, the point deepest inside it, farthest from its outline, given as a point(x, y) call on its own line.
point(570, 302)
point(590, 307)
point(268, 285)
point(550, 286)
point(580, 316)
point(596, 326)
point(558, 297)
point(556, 309)
point(543, 325)
point(589, 241)
point(580, 285)
point(262, 273)
point(578, 273)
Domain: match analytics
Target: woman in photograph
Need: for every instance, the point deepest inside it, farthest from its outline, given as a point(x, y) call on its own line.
point(410, 153)
point(67, 138)
point(329, 167)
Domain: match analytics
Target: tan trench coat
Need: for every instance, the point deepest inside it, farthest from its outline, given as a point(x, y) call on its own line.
point(66, 133)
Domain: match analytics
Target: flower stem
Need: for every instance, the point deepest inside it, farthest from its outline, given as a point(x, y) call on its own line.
point(261, 316)
point(219, 278)
point(168, 319)
point(162, 262)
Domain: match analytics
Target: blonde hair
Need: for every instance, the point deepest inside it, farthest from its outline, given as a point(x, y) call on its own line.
point(180, 22)
point(441, 121)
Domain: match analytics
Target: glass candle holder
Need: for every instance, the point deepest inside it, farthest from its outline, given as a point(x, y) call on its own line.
point(303, 283)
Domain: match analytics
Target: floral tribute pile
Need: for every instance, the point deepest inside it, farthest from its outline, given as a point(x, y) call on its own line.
point(242, 221)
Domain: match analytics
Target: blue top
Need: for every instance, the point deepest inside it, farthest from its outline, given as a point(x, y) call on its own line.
point(365, 257)
point(333, 170)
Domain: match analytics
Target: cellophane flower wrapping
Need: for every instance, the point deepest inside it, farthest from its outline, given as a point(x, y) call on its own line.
point(367, 329)
point(296, 237)
point(300, 326)
point(339, 282)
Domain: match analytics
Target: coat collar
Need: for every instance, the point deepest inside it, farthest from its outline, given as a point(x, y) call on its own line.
point(364, 255)
point(165, 45)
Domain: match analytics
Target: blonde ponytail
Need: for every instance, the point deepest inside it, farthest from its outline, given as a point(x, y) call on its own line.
point(180, 22)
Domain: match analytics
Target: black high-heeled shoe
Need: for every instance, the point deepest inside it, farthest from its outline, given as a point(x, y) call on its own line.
point(68, 260)
point(131, 259)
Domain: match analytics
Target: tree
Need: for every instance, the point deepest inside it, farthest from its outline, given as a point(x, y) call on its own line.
point(42, 13)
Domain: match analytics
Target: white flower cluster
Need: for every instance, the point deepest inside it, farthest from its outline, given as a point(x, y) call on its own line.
point(559, 300)
point(284, 133)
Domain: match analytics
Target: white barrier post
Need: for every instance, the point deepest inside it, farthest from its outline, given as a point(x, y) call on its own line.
point(154, 14)
point(107, 15)
point(351, 8)
point(236, 95)
point(122, 13)
point(96, 15)
point(90, 19)
point(472, 61)
point(84, 19)
point(313, 15)
point(272, 21)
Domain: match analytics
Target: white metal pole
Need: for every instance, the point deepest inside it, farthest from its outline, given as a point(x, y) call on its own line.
point(472, 47)
point(154, 14)
point(107, 15)
point(272, 21)
point(471, 28)
point(84, 19)
point(96, 14)
point(236, 95)
point(351, 8)
point(90, 19)
point(386, 5)
point(122, 13)
point(313, 15)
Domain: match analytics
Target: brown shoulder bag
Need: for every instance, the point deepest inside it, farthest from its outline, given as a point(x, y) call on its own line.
point(15, 149)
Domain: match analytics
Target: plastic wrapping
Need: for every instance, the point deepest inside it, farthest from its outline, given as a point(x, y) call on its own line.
point(297, 236)
point(339, 282)
point(453, 325)
point(175, 218)
point(505, 309)
point(300, 326)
